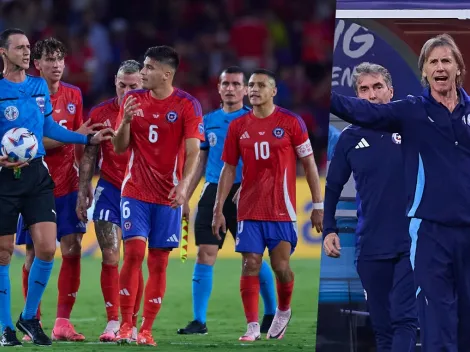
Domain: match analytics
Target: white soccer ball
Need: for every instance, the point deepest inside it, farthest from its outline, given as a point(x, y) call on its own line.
point(19, 144)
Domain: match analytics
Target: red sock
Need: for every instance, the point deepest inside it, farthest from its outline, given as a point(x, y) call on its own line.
point(25, 290)
point(249, 289)
point(138, 299)
point(110, 289)
point(156, 286)
point(134, 253)
point(284, 294)
point(69, 282)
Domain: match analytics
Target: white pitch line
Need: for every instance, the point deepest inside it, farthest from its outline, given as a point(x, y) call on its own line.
point(84, 319)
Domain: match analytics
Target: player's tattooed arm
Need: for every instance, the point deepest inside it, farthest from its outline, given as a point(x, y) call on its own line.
point(86, 171)
point(87, 165)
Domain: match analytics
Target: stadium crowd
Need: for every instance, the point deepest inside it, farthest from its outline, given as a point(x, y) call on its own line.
point(292, 38)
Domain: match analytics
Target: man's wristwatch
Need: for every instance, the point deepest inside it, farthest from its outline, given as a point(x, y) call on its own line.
point(88, 139)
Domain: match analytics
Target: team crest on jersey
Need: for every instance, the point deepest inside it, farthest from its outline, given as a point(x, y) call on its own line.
point(212, 139)
point(11, 113)
point(127, 225)
point(41, 103)
point(278, 132)
point(71, 108)
point(171, 116)
point(201, 128)
point(396, 138)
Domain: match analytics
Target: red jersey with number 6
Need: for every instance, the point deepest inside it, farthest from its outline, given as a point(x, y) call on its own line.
point(269, 148)
point(112, 166)
point(159, 129)
point(68, 112)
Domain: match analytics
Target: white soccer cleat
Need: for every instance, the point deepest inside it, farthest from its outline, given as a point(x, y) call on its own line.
point(252, 333)
point(279, 325)
point(134, 334)
point(110, 332)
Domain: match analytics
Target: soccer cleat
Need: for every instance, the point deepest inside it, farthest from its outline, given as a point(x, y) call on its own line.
point(26, 338)
point(145, 338)
point(9, 339)
point(279, 324)
point(134, 334)
point(32, 328)
point(266, 324)
point(64, 331)
point(194, 327)
point(125, 334)
point(252, 333)
point(109, 334)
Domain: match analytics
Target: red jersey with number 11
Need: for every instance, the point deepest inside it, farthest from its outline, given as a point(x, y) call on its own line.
point(269, 148)
point(158, 132)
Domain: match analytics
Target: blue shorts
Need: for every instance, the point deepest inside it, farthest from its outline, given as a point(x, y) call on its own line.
point(254, 236)
point(67, 220)
point(160, 224)
point(107, 203)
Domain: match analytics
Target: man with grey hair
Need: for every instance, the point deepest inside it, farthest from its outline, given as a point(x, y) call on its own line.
point(382, 240)
point(436, 144)
point(107, 214)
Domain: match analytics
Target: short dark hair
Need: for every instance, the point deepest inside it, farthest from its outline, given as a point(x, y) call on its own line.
point(262, 71)
point(129, 67)
point(235, 70)
point(48, 47)
point(165, 55)
point(5, 35)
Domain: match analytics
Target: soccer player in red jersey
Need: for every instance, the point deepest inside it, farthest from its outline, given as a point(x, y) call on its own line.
point(48, 56)
point(107, 213)
point(268, 139)
point(154, 124)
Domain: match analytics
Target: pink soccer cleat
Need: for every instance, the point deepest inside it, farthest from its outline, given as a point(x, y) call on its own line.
point(124, 335)
point(64, 331)
point(252, 333)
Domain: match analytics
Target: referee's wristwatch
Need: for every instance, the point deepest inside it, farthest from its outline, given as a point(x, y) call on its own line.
point(88, 139)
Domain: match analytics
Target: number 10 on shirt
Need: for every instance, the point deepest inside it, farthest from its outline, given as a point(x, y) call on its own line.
point(261, 150)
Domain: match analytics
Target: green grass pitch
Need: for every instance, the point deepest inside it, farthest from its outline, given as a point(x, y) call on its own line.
point(226, 320)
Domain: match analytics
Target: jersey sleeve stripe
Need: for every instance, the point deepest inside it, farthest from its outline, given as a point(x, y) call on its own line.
point(106, 102)
point(196, 105)
point(301, 121)
point(68, 85)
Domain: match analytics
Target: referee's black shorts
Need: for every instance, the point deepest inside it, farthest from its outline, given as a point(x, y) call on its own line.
point(32, 196)
point(203, 224)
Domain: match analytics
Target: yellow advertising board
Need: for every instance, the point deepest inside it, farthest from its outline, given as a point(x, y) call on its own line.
point(309, 241)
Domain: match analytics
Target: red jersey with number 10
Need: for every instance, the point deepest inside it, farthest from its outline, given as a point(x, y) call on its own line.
point(68, 112)
point(158, 132)
point(112, 166)
point(269, 148)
